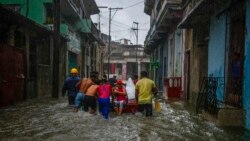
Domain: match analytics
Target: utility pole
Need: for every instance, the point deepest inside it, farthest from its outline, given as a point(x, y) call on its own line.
point(110, 9)
point(56, 45)
point(100, 36)
point(99, 17)
point(136, 47)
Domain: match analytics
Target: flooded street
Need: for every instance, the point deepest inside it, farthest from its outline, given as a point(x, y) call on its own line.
point(53, 120)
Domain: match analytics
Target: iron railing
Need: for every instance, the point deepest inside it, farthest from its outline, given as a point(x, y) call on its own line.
point(207, 99)
point(211, 87)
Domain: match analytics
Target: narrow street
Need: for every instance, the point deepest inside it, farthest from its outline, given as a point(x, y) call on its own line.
point(53, 120)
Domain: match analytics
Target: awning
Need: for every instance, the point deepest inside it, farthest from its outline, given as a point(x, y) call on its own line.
point(9, 17)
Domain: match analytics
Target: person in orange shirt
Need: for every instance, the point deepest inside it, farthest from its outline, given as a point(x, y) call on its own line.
point(83, 86)
point(89, 101)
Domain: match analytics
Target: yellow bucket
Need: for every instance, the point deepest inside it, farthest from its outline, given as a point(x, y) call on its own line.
point(157, 106)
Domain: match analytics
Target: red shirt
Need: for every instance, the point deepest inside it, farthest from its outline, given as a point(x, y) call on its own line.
point(104, 90)
point(120, 97)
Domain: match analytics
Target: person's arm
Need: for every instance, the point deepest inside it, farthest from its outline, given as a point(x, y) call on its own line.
point(155, 91)
point(78, 84)
point(120, 93)
point(136, 95)
point(136, 92)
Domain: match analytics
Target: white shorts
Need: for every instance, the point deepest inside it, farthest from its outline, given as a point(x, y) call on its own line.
point(120, 104)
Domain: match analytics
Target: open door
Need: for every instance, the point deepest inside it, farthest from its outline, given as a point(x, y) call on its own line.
point(11, 75)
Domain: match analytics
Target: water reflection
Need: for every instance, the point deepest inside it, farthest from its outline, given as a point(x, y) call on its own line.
point(53, 120)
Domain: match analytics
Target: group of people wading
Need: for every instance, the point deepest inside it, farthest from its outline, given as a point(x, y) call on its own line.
point(87, 92)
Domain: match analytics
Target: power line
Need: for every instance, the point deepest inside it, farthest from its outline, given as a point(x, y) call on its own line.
point(114, 21)
point(128, 6)
point(133, 5)
point(120, 25)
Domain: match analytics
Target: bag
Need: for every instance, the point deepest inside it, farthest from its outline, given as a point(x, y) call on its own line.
point(157, 106)
point(130, 89)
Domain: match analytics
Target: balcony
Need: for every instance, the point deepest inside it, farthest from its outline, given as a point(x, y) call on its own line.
point(169, 14)
point(90, 7)
point(199, 12)
point(86, 26)
point(149, 4)
point(71, 9)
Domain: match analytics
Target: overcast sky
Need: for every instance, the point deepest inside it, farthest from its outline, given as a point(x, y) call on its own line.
point(122, 21)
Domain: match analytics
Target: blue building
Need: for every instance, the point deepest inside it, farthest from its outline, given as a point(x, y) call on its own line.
point(227, 57)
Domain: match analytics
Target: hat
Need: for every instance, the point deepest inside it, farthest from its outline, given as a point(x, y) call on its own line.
point(73, 71)
point(119, 82)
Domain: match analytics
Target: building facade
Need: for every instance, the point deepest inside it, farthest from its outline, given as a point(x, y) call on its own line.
point(126, 60)
point(204, 43)
point(78, 49)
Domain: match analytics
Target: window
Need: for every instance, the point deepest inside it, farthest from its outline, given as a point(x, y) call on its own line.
point(48, 13)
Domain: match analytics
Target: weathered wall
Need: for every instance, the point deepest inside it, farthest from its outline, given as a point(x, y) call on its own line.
point(178, 53)
point(216, 51)
point(44, 67)
point(198, 60)
point(170, 55)
point(165, 58)
point(246, 89)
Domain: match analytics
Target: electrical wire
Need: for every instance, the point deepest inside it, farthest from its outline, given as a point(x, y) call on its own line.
point(114, 21)
point(128, 6)
point(133, 5)
point(118, 24)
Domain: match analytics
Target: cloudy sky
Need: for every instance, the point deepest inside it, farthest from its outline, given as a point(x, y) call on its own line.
point(122, 20)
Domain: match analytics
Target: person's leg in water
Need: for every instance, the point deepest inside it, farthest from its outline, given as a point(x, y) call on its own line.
point(121, 106)
point(104, 104)
point(71, 100)
point(116, 107)
point(86, 104)
point(141, 108)
point(92, 105)
point(149, 110)
point(78, 101)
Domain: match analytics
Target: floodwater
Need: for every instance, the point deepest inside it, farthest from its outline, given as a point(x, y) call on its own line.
point(53, 120)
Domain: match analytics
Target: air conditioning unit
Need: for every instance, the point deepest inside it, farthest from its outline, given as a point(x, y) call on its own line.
point(50, 26)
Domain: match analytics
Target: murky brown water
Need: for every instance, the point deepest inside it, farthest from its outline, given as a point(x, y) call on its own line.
point(53, 120)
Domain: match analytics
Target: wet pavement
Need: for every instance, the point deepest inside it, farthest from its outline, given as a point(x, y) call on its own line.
point(53, 120)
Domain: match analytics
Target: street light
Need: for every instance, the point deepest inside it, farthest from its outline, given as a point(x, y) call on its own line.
point(109, 35)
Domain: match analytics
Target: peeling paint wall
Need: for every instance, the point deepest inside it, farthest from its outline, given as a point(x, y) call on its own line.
point(216, 51)
point(178, 53)
point(198, 60)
